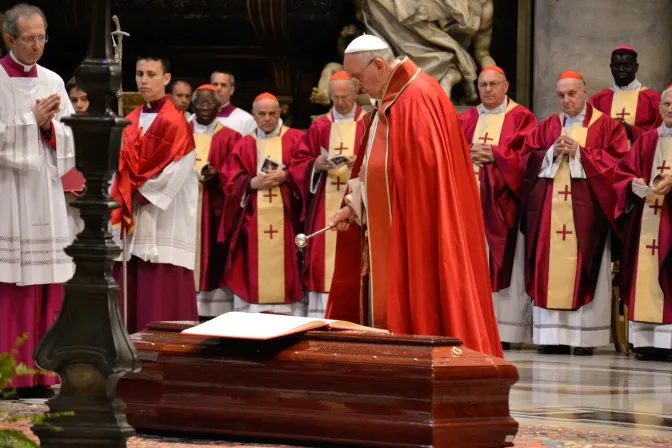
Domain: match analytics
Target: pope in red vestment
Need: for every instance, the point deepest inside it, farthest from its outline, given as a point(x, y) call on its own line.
point(628, 101)
point(156, 187)
point(570, 162)
point(644, 213)
point(414, 198)
point(261, 215)
point(322, 186)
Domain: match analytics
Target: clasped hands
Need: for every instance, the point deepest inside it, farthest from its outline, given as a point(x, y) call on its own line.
point(322, 164)
point(662, 186)
point(271, 179)
point(482, 154)
point(45, 110)
point(565, 146)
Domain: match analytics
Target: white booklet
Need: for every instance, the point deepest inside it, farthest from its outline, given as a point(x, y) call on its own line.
point(335, 161)
point(263, 326)
point(267, 164)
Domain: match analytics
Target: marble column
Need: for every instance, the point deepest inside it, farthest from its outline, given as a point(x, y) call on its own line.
point(580, 34)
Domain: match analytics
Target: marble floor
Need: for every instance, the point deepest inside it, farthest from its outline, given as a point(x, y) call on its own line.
point(607, 391)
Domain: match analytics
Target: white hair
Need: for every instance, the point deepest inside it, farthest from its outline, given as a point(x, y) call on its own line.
point(10, 23)
point(667, 91)
point(195, 95)
point(254, 105)
point(349, 81)
point(385, 54)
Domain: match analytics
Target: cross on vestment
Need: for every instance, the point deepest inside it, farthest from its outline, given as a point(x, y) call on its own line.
point(653, 247)
point(664, 168)
point(338, 183)
point(566, 193)
point(622, 114)
point(656, 207)
point(340, 149)
point(564, 232)
point(270, 231)
point(485, 139)
point(270, 196)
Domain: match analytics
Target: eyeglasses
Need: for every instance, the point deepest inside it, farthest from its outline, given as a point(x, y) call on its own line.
point(492, 85)
point(204, 104)
point(355, 78)
point(35, 39)
point(339, 98)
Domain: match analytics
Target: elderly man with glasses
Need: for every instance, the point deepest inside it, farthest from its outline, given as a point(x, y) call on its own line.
point(497, 129)
point(36, 150)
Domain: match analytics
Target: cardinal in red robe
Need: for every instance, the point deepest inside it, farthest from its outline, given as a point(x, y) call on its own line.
point(570, 161)
point(413, 197)
point(628, 101)
point(644, 213)
point(156, 188)
point(320, 169)
point(497, 129)
point(261, 216)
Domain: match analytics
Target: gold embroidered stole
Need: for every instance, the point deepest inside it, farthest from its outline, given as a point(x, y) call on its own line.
point(342, 137)
point(488, 131)
point(270, 229)
point(624, 105)
point(203, 142)
point(564, 246)
point(649, 297)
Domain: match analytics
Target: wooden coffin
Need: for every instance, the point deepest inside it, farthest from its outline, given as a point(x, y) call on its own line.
point(322, 387)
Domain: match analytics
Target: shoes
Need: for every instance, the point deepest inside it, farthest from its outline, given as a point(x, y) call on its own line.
point(506, 346)
point(652, 354)
point(554, 350)
point(583, 351)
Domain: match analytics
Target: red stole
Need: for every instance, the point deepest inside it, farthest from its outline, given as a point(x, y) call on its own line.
point(142, 157)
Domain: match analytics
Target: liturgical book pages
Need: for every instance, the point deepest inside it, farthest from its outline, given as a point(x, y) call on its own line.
point(264, 326)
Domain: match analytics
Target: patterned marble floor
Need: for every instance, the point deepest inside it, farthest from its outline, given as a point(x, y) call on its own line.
point(606, 392)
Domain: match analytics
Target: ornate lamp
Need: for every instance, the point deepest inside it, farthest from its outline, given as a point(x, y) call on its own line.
point(88, 345)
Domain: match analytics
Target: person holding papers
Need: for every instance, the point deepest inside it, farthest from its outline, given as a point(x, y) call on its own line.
point(260, 215)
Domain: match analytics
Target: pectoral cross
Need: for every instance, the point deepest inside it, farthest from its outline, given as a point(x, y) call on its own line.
point(653, 247)
point(656, 207)
point(663, 168)
point(565, 193)
point(485, 139)
point(340, 149)
point(270, 231)
point(40, 224)
point(270, 196)
point(338, 183)
point(564, 232)
point(622, 114)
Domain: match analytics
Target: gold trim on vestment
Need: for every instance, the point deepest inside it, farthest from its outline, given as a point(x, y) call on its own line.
point(649, 296)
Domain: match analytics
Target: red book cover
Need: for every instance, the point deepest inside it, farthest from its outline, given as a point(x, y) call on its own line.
point(73, 181)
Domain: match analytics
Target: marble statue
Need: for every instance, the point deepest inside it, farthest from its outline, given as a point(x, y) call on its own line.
point(437, 35)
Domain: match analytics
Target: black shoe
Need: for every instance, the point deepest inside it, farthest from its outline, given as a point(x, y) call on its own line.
point(506, 346)
point(669, 358)
point(35, 392)
point(650, 354)
point(554, 350)
point(583, 351)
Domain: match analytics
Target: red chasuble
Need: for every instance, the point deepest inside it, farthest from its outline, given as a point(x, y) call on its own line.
point(593, 201)
point(428, 266)
point(500, 184)
point(648, 299)
point(144, 156)
point(640, 110)
point(213, 252)
point(318, 208)
point(252, 270)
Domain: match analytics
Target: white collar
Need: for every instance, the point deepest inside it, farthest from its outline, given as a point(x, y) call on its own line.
point(578, 120)
point(202, 128)
point(26, 68)
point(634, 86)
point(665, 131)
point(347, 117)
point(497, 110)
point(261, 134)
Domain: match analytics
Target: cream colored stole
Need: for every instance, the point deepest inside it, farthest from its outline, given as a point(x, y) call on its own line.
point(624, 105)
point(564, 246)
point(342, 137)
point(649, 297)
point(488, 131)
point(203, 142)
point(270, 229)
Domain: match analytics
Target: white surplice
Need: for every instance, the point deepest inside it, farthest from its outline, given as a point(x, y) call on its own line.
point(590, 325)
point(238, 120)
point(299, 308)
point(34, 221)
point(165, 228)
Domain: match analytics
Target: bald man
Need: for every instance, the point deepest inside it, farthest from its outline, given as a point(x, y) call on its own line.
point(570, 162)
